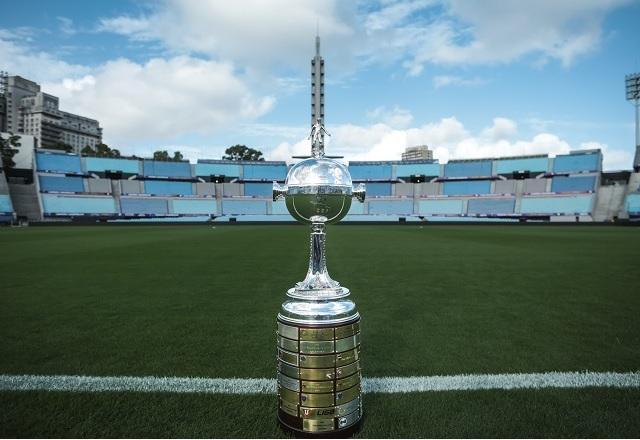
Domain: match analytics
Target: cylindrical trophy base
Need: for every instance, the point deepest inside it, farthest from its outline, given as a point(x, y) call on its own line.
point(319, 377)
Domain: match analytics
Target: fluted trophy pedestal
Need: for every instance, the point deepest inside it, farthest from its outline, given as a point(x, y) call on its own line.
point(318, 337)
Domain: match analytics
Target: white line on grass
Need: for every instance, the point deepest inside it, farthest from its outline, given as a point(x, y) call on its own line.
point(268, 386)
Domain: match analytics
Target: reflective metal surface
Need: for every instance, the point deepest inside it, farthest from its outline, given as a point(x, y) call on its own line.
point(318, 335)
point(319, 392)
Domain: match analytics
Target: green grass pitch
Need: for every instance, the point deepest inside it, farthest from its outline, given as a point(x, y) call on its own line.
point(437, 300)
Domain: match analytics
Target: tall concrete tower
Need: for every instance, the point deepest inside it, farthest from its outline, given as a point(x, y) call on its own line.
point(317, 87)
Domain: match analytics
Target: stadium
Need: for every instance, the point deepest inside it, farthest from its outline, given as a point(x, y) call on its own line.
point(496, 297)
point(565, 188)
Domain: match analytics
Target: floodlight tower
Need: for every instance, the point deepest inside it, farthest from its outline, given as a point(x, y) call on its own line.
point(632, 86)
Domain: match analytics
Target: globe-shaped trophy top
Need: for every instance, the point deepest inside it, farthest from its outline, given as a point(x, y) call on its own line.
point(318, 187)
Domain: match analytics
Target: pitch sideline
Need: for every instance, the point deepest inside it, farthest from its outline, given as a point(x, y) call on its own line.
point(467, 382)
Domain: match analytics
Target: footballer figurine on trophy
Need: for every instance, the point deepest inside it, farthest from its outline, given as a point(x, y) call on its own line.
point(319, 390)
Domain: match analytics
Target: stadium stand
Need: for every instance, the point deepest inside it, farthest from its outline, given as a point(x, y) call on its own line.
point(586, 161)
point(558, 205)
point(217, 168)
point(252, 189)
point(6, 207)
point(466, 187)
point(61, 184)
point(533, 164)
point(264, 171)
point(528, 187)
point(475, 168)
point(480, 206)
point(632, 205)
point(441, 207)
point(167, 188)
point(367, 171)
point(102, 165)
point(155, 168)
point(240, 207)
point(573, 184)
point(58, 163)
point(404, 207)
point(54, 204)
point(379, 190)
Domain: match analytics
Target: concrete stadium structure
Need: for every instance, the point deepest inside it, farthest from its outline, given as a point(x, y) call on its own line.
point(570, 187)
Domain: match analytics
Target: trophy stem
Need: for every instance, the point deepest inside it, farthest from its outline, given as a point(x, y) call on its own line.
point(317, 252)
point(318, 283)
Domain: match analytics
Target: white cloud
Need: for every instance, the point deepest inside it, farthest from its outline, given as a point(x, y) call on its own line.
point(396, 117)
point(258, 34)
point(252, 33)
point(160, 99)
point(136, 28)
point(448, 138)
point(452, 80)
point(498, 31)
point(35, 65)
point(502, 128)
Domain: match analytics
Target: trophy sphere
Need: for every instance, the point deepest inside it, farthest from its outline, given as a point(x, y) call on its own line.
point(318, 187)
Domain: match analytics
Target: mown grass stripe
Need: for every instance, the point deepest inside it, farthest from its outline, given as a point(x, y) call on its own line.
point(268, 386)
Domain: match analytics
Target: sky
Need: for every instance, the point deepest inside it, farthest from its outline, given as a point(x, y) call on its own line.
point(471, 79)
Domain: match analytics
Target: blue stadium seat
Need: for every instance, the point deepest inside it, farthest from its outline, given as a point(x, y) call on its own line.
point(155, 168)
point(264, 172)
point(532, 164)
point(357, 208)
point(440, 207)
point(567, 205)
point(369, 172)
point(561, 184)
point(427, 169)
point(491, 206)
point(403, 207)
point(192, 207)
point(478, 168)
point(258, 189)
point(58, 162)
point(279, 207)
point(77, 205)
point(61, 184)
point(6, 206)
point(578, 162)
point(168, 188)
point(102, 164)
point(239, 207)
point(217, 169)
point(466, 187)
point(632, 204)
point(143, 206)
point(378, 189)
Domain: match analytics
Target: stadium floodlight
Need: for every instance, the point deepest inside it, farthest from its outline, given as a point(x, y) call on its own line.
point(319, 390)
point(632, 89)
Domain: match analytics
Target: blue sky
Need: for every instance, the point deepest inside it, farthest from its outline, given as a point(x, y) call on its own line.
point(468, 78)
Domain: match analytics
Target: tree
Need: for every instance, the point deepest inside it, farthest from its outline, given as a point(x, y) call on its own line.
point(161, 155)
point(60, 146)
point(7, 151)
point(242, 152)
point(101, 150)
point(164, 156)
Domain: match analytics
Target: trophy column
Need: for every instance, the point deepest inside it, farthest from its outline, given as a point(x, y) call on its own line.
point(318, 337)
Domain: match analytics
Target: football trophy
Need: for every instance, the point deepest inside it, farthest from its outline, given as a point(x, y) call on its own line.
point(318, 336)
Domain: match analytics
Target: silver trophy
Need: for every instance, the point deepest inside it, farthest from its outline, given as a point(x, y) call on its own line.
point(318, 336)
